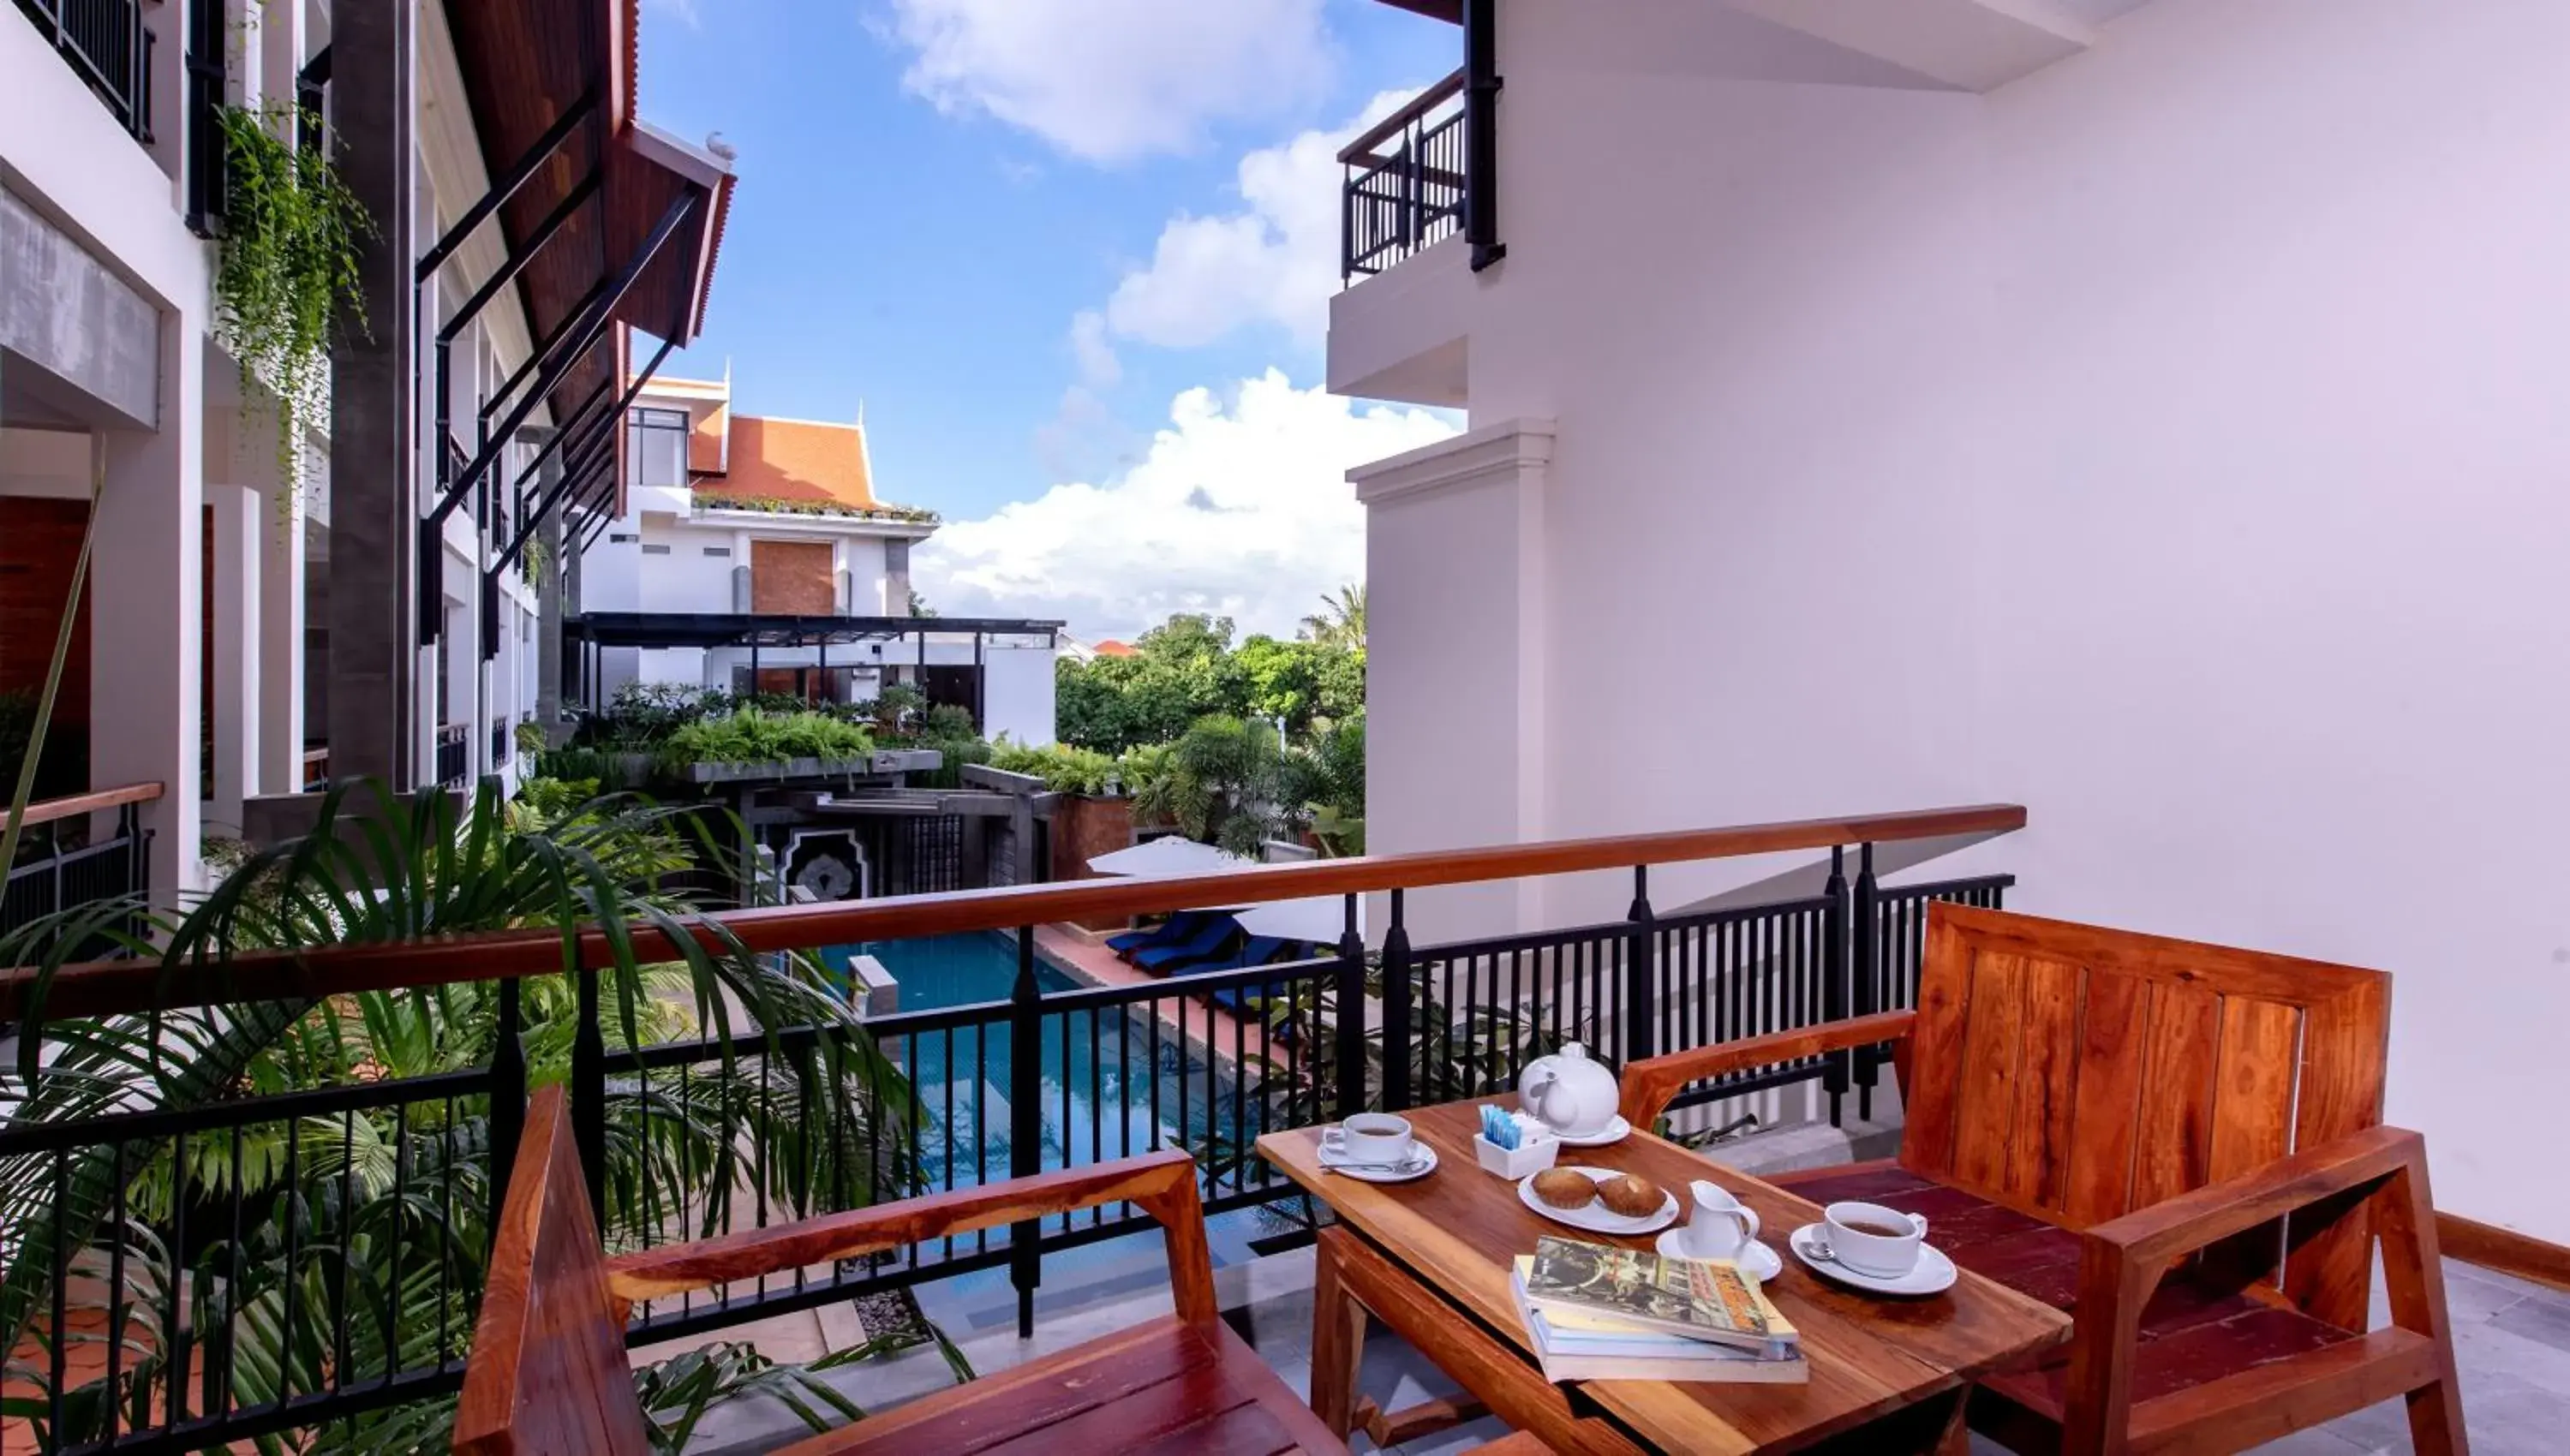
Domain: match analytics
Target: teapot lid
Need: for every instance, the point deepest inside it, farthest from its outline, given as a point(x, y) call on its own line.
point(1573, 1051)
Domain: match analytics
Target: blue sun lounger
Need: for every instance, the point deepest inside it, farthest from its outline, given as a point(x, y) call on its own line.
point(1205, 944)
point(1176, 928)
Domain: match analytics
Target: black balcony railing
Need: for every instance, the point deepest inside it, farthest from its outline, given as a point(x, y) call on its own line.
point(345, 1226)
point(1405, 184)
point(65, 871)
point(500, 743)
point(454, 755)
point(108, 43)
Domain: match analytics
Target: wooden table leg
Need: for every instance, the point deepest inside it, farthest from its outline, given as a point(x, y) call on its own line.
point(1338, 1339)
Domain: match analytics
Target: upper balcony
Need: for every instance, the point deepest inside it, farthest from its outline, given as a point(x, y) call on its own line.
point(110, 46)
point(1417, 219)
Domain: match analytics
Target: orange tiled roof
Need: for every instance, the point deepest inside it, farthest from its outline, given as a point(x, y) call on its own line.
point(793, 459)
point(1113, 648)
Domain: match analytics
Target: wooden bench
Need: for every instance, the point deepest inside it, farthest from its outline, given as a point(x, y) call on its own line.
point(549, 1374)
point(2181, 1144)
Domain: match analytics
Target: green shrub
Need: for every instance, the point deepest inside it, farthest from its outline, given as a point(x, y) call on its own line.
point(1064, 769)
point(752, 736)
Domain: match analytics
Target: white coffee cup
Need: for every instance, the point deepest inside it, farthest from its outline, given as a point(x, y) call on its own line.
point(1861, 1239)
point(1721, 1226)
point(1375, 1139)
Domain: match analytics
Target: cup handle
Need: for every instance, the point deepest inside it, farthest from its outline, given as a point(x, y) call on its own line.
point(1919, 1222)
point(1748, 1224)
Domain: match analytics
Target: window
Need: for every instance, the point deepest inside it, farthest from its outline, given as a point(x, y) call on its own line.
point(718, 550)
point(622, 535)
point(655, 550)
point(658, 446)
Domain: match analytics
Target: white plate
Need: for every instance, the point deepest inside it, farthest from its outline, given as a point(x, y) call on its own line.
point(1423, 1163)
point(1612, 1132)
point(1595, 1218)
point(1755, 1260)
point(1932, 1275)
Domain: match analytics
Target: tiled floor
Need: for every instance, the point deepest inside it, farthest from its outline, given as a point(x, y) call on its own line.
point(2512, 1340)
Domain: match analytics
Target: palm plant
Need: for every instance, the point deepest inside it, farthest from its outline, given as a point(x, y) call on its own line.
point(381, 1208)
point(1341, 621)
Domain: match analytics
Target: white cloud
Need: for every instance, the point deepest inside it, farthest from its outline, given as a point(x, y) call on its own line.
point(1090, 350)
point(1274, 262)
point(1241, 511)
point(683, 11)
point(1110, 80)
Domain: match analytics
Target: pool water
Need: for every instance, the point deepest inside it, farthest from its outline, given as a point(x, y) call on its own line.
point(1128, 1086)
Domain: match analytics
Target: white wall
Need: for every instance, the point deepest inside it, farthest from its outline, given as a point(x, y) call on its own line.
point(1017, 693)
point(2172, 441)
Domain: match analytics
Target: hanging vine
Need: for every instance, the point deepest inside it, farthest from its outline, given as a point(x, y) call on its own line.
point(288, 262)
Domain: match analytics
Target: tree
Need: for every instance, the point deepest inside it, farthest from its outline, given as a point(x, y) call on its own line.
point(1341, 621)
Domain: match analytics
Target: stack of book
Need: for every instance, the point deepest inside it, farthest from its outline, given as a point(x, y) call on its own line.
point(1601, 1314)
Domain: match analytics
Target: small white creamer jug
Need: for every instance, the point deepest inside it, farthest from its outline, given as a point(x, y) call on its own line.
point(1721, 1226)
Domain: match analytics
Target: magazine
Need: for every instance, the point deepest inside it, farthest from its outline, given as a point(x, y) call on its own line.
point(1573, 1345)
point(1702, 1300)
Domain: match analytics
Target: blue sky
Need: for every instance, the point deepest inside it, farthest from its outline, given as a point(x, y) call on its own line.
point(935, 192)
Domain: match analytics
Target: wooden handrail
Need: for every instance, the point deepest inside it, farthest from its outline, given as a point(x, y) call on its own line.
point(1394, 125)
point(46, 811)
point(112, 987)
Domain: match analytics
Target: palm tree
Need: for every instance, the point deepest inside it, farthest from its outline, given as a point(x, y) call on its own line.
point(1341, 621)
point(384, 1209)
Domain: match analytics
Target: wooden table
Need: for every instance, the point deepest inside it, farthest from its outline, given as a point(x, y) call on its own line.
point(1431, 1258)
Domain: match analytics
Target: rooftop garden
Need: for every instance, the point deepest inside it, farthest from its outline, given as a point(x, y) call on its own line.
point(719, 500)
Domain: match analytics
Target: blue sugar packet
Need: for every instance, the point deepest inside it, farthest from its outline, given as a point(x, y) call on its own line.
point(1498, 1128)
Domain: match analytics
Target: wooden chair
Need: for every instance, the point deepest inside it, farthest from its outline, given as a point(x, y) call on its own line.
point(548, 1371)
point(2181, 1144)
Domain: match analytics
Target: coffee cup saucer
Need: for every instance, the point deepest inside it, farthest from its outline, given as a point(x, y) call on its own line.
point(1755, 1260)
point(1933, 1273)
point(1421, 1162)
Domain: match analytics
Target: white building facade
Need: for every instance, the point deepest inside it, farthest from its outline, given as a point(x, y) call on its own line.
point(735, 524)
point(214, 632)
point(2148, 413)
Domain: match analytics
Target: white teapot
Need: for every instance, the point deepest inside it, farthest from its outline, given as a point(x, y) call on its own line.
point(1574, 1096)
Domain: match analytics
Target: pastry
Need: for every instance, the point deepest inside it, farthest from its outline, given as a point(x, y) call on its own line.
point(1630, 1196)
point(1562, 1188)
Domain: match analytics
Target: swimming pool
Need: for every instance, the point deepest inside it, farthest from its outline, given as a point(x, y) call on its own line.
point(1110, 1083)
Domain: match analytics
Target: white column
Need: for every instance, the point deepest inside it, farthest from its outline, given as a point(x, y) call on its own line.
point(284, 540)
point(240, 519)
point(146, 574)
point(1456, 648)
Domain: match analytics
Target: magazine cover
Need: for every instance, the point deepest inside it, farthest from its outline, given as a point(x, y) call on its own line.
point(1694, 1298)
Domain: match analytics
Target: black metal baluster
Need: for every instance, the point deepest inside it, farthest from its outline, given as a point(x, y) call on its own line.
point(292, 1275)
point(177, 1330)
point(589, 1091)
point(1026, 1076)
point(115, 1297)
point(1639, 983)
point(981, 1123)
point(1865, 973)
point(1396, 1050)
point(507, 1094)
point(344, 1292)
point(1351, 1039)
point(388, 1322)
point(58, 1332)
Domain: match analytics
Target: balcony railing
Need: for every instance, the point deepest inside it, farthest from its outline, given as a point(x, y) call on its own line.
point(454, 755)
point(729, 1133)
point(108, 43)
point(67, 872)
point(1405, 183)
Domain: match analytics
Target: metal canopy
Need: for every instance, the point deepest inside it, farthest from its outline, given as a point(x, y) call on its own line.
point(761, 630)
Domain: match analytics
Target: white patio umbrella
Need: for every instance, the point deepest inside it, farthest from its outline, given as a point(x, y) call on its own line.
point(1171, 854)
point(1319, 919)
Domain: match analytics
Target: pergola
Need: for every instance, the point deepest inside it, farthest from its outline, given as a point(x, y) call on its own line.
point(758, 631)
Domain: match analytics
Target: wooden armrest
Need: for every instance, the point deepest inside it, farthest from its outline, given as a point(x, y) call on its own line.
point(1163, 1184)
point(2122, 1259)
point(2154, 1237)
point(1649, 1085)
